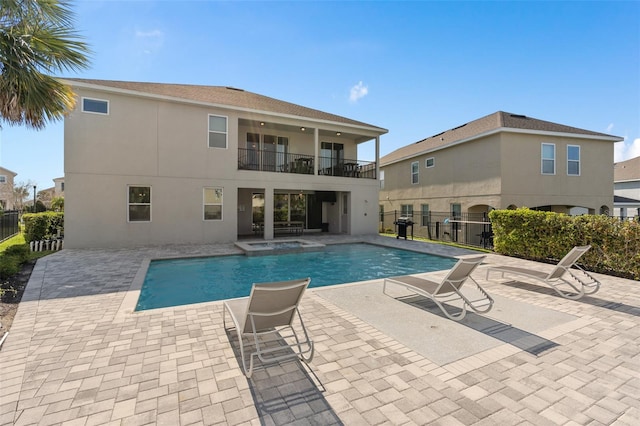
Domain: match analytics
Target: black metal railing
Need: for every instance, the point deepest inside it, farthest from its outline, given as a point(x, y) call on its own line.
point(8, 225)
point(472, 229)
point(286, 162)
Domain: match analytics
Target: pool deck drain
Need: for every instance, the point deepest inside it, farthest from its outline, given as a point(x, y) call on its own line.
point(73, 358)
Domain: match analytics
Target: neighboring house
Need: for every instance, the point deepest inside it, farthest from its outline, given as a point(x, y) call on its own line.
point(501, 161)
point(47, 195)
point(6, 189)
point(626, 188)
point(149, 163)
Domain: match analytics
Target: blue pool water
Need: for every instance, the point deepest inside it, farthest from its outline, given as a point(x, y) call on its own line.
point(178, 282)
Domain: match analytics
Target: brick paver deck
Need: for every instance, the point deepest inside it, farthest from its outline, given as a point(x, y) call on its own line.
point(77, 355)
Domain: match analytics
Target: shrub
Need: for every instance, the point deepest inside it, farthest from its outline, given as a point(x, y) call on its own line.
point(9, 265)
point(548, 236)
point(20, 251)
point(42, 226)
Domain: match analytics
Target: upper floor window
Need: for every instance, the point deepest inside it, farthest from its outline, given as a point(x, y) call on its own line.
point(95, 106)
point(415, 169)
point(573, 160)
point(430, 162)
point(212, 203)
point(548, 159)
point(3, 179)
point(139, 204)
point(381, 179)
point(217, 131)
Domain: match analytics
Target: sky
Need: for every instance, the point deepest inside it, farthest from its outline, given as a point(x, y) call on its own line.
point(416, 68)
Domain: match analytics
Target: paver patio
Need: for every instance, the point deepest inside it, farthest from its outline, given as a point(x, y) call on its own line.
point(77, 355)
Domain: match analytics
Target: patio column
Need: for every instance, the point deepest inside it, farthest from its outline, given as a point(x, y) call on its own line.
point(268, 213)
point(316, 152)
point(378, 157)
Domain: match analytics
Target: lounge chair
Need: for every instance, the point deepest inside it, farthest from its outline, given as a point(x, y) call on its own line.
point(567, 279)
point(270, 309)
point(449, 289)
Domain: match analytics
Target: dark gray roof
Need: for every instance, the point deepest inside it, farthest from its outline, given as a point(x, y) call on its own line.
point(229, 96)
point(490, 123)
point(627, 170)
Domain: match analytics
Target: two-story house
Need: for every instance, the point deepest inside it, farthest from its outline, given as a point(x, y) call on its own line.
point(626, 188)
point(149, 163)
point(501, 161)
point(6, 189)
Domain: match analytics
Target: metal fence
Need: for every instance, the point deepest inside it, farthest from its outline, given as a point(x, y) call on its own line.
point(472, 229)
point(8, 225)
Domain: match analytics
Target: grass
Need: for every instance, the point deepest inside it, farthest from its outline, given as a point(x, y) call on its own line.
point(18, 240)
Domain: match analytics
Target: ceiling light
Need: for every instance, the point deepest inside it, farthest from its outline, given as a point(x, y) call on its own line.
point(338, 133)
point(302, 128)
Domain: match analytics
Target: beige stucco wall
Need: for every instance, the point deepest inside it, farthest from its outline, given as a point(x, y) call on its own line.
point(163, 144)
point(504, 169)
point(6, 189)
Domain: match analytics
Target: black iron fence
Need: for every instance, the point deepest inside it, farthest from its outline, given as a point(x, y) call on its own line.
point(287, 162)
point(472, 229)
point(8, 225)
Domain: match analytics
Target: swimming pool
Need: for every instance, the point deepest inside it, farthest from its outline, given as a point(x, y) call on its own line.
point(178, 282)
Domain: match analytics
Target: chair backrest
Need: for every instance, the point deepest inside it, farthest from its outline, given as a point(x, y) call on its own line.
point(459, 274)
point(274, 304)
point(568, 260)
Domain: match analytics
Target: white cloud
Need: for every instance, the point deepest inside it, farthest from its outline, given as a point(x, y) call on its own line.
point(149, 41)
point(610, 128)
point(625, 150)
point(358, 91)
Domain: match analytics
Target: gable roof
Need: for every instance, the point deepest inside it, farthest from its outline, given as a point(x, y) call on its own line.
point(627, 170)
point(493, 123)
point(222, 96)
point(7, 171)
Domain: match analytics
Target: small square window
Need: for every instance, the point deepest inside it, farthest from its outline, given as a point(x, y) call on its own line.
point(430, 162)
point(95, 106)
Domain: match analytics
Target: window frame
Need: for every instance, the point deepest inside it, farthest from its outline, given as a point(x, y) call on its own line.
point(205, 204)
point(426, 162)
point(3, 178)
point(85, 98)
point(424, 214)
point(381, 179)
point(543, 159)
point(415, 172)
point(406, 210)
point(578, 161)
point(218, 132)
point(129, 203)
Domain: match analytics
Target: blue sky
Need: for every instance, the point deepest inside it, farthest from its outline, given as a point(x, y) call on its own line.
point(415, 68)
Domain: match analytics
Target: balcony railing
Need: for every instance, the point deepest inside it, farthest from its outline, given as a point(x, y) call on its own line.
point(286, 162)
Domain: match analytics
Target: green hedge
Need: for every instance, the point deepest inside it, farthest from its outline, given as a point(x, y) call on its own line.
point(42, 226)
point(548, 236)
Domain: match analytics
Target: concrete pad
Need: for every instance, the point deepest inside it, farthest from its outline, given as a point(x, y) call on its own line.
point(420, 325)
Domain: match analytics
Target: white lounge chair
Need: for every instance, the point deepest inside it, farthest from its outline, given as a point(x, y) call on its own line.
point(567, 279)
point(270, 309)
point(449, 289)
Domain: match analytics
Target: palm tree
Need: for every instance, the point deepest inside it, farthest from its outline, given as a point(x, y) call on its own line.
point(36, 40)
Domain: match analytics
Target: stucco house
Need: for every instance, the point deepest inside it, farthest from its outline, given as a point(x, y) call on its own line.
point(151, 163)
point(500, 161)
point(626, 188)
point(56, 191)
point(6, 189)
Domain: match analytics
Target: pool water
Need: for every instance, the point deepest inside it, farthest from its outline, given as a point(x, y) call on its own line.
point(178, 282)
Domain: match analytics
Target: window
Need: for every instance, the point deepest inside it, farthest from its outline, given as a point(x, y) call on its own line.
point(573, 160)
point(212, 203)
point(406, 210)
point(424, 220)
point(217, 131)
point(139, 204)
point(95, 106)
point(548, 159)
point(415, 168)
point(430, 162)
point(3, 179)
point(62, 186)
point(381, 179)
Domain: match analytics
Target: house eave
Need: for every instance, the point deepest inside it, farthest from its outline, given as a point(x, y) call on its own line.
point(372, 130)
point(505, 130)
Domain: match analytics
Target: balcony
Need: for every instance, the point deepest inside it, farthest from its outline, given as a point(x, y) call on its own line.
point(286, 162)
